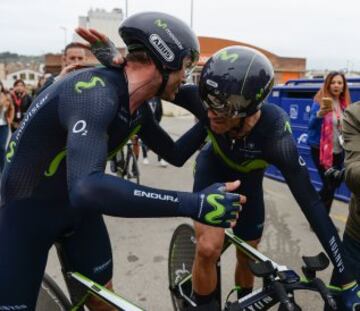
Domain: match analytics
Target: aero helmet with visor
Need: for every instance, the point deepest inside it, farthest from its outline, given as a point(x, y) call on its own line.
point(235, 81)
point(168, 39)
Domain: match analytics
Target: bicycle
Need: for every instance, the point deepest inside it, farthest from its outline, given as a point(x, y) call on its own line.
point(52, 298)
point(279, 281)
point(125, 164)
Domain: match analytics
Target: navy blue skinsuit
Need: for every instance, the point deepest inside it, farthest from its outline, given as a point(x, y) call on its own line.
point(270, 142)
point(54, 186)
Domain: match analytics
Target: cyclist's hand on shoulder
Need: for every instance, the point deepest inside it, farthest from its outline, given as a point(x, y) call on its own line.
point(349, 298)
point(101, 46)
point(218, 207)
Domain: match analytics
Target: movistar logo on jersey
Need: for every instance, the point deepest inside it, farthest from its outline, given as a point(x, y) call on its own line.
point(163, 49)
point(83, 85)
point(231, 57)
point(54, 165)
point(219, 209)
point(160, 24)
point(11, 151)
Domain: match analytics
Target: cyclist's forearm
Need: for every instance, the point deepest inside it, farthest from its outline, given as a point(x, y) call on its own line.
point(315, 212)
point(177, 153)
point(285, 156)
point(114, 196)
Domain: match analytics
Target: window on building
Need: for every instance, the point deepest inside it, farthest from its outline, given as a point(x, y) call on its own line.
point(15, 77)
point(22, 76)
point(31, 76)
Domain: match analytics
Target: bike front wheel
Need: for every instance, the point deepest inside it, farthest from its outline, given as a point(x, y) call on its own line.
point(180, 262)
point(51, 297)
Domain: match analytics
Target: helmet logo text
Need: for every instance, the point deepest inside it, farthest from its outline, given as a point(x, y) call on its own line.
point(162, 47)
point(211, 83)
point(160, 24)
point(232, 57)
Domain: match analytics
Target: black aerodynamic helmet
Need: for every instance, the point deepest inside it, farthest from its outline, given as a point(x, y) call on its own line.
point(235, 81)
point(167, 38)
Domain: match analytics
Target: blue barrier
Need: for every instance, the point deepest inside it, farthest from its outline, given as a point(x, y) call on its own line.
point(296, 98)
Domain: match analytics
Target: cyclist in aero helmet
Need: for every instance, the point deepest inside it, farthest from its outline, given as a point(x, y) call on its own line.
point(70, 131)
point(245, 136)
point(169, 42)
point(235, 82)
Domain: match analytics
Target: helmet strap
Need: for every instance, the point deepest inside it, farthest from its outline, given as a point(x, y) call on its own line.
point(165, 78)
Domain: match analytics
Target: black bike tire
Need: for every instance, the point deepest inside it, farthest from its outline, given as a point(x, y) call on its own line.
point(181, 256)
point(51, 297)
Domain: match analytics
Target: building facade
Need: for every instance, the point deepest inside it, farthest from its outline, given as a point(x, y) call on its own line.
point(105, 22)
point(286, 68)
point(99, 19)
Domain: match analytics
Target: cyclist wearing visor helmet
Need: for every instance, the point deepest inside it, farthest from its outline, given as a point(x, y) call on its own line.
point(234, 88)
point(171, 44)
point(245, 137)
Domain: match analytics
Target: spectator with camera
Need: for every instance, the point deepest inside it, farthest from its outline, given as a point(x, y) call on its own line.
point(325, 131)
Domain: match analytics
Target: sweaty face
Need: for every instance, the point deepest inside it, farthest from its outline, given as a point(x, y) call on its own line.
point(74, 56)
point(176, 78)
point(336, 86)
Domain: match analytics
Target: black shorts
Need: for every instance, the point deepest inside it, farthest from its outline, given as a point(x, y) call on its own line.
point(28, 229)
point(210, 169)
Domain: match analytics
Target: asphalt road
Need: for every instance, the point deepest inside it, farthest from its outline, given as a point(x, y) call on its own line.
point(140, 246)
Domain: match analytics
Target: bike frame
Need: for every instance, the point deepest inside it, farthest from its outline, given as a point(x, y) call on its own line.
point(263, 298)
point(80, 287)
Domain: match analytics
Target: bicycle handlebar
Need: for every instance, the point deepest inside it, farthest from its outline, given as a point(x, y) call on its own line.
point(280, 286)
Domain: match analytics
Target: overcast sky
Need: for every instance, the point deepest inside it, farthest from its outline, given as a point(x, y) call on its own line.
point(322, 31)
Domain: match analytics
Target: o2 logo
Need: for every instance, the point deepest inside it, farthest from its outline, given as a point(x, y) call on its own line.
point(80, 128)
